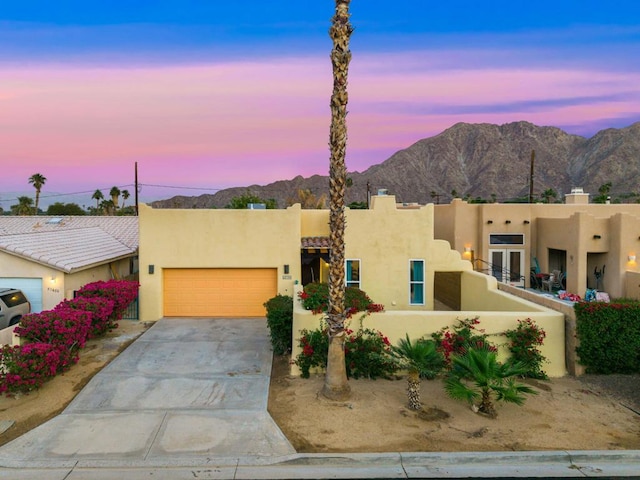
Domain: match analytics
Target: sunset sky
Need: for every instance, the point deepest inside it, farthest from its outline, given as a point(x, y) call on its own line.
point(213, 94)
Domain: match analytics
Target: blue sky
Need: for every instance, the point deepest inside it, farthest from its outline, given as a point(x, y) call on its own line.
point(214, 94)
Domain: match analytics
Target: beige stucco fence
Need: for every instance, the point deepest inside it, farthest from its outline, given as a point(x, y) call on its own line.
point(497, 312)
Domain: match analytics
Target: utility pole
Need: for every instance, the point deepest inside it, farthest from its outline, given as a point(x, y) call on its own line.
point(533, 158)
point(368, 195)
point(136, 187)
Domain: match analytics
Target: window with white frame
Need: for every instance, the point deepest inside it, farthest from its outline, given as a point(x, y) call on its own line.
point(416, 282)
point(353, 273)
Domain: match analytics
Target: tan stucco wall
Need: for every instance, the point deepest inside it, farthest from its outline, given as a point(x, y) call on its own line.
point(568, 227)
point(171, 238)
point(385, 239)
point(480, 293)
point(314, 223)
point(396, 324)
point(632, 284)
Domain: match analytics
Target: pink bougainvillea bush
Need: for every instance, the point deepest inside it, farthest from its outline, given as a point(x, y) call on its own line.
point(51, 340)
point(101, 310)
point(120, 292)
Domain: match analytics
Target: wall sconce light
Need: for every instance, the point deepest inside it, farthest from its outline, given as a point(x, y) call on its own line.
point(151, 269)
point(631, 258)
point(526, 222)
point(53, 278)
point(286, 269)
point(467, 249)
point(597, 237)
point(507, 221)
point(491, 221)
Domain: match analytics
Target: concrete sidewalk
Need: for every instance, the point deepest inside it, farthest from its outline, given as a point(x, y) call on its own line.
point(188, 399)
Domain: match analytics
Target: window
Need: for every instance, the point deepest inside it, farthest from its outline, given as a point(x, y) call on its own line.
point(416, 282)
point(353, 273)
point(506, 239)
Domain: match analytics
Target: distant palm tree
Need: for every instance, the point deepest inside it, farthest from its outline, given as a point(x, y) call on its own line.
point(125, 195)
point(37, 180)
point(97, 196)
point(23, 207)
point(336, 385)
point(114, 193)
point(108, 207)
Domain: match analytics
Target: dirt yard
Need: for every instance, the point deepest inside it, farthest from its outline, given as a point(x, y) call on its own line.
point(591, 413)
point(567, 414)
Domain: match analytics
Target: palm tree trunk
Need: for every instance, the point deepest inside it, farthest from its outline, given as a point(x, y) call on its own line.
point(486, 405)
point(413, 391)
point(336, 385)
point(35, 208)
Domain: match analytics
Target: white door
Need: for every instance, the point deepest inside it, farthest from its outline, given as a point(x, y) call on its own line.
point(31, 287)
point(507, 265)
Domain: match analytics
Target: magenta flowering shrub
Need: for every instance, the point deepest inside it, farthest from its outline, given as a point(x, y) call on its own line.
point(120, 292)
point(101, 310)
point(65, 329)
point(51, 340)
point(28, 366)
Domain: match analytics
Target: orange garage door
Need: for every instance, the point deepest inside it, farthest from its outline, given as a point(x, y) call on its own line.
point(218, 292)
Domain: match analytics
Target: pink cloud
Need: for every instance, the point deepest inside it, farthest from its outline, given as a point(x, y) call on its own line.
point(239, 123)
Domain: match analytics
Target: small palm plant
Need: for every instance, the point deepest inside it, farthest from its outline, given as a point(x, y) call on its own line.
point(477, 374)
point(422, 360)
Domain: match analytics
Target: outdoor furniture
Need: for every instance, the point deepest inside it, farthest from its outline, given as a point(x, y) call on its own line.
point(554, 281)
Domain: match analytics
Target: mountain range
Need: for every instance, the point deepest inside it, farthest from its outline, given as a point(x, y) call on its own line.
point(476, 161)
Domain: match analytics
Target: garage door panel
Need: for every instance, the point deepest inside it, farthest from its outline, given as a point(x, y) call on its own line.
point(218, 292)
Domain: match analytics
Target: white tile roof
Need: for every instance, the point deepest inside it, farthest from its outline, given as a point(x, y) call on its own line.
point(69, 243)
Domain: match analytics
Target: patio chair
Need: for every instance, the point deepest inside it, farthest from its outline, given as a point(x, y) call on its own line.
point(554, 281)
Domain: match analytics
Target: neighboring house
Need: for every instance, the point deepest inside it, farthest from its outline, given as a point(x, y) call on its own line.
point(202, 263)
point(50, 257)
point(577, 238)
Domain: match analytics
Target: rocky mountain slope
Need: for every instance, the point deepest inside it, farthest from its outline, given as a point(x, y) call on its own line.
point(475, 160)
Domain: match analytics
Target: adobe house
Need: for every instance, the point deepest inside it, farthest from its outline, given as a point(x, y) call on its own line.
point(49, 257)
point(229, 262)
point(577, 238)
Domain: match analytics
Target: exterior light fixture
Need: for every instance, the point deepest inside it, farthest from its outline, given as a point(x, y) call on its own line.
point(286, 269)
point(151, 269)
point(507, 221)
point(53, 278)
point(597, 237)
point(491, 221)
point(631, 258)
point(526, 222)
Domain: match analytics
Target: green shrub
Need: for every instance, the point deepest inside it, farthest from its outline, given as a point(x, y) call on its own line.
point(523, 345)
point(367, 353)
point(280, 322)
point(609, 335)
point(457, 340)
point(315, 297)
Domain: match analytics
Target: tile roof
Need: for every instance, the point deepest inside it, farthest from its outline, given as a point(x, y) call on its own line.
point(69, 243)
point(315, 242)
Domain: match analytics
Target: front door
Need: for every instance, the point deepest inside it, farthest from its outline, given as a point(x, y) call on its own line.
point(507, 265)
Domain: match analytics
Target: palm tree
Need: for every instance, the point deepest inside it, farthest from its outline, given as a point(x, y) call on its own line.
point(548, 194)
point(114, 193)
point(108, 207)
point(478, 375)
point(125, 196)
point(336, 385)
point(422, 360)
point(97, 196)
point(37, 180)
point(23, 207)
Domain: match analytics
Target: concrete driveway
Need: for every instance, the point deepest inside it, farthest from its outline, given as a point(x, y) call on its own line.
point(186, 391)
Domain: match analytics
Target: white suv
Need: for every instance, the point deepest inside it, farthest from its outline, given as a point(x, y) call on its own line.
point(13, 305)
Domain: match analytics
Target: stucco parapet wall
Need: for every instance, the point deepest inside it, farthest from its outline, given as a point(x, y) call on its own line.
point(395, 324)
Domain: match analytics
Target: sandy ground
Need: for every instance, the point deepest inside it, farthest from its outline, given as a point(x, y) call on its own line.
point(594, 412)
point(567, 414)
